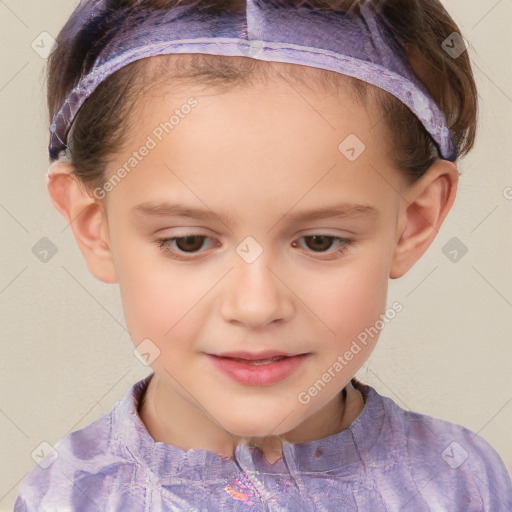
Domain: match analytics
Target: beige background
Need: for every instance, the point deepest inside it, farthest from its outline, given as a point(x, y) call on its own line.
point(66, 357)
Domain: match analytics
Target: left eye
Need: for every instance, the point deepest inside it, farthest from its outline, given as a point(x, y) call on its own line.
point(319, 244)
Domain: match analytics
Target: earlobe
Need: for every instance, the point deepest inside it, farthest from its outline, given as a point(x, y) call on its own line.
point(425, 206)
point(87, 219)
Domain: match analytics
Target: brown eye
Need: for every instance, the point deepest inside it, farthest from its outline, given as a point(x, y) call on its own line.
point(319, 243)
point(183, 247)
point(326, 246)
point(190, 243)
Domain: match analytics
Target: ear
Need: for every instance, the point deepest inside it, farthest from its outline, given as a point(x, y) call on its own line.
point(426, 204)
point(87, 218)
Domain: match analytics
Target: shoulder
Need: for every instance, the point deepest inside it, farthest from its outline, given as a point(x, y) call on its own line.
point(77, 469)
point(447, 458)
point(51, 481)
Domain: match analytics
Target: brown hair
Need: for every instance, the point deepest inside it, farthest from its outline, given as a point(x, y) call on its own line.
point(100, 128)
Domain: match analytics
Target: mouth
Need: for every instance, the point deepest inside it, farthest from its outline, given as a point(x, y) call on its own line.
point(257, 369)
point(265, 357)
point(259, 361)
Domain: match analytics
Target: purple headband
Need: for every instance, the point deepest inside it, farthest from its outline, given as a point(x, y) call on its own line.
point(362, 47)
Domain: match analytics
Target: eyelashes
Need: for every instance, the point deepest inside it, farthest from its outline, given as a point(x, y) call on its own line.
point(166, 244)
point(186, 248)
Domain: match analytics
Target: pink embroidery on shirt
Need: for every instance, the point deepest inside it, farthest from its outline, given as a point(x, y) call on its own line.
point(239, 492)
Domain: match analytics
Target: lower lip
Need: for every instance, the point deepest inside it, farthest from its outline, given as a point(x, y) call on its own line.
point(258, 375)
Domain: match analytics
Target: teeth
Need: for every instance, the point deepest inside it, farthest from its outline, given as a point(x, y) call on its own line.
point(262, 361)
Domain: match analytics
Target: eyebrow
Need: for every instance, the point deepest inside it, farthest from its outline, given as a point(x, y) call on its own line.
point(168, 209)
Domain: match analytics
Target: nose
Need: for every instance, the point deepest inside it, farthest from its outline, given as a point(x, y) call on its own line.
point(255, 296)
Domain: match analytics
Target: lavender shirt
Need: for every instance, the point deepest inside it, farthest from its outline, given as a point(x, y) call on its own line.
point(388, 460)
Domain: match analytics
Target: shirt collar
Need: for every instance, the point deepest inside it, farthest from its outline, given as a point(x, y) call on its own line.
point(336, 454)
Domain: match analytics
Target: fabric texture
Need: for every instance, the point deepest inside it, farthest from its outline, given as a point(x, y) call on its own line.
point(388, 460)
point(362, 46)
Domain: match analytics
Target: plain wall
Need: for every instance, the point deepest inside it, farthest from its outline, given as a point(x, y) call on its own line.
point(66, 355)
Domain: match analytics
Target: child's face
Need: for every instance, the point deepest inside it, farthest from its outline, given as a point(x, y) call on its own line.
point(262, 155)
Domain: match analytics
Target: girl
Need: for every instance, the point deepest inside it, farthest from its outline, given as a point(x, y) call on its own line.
point(308, 149)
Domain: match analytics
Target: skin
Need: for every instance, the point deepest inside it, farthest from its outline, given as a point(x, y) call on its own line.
point(259, 153)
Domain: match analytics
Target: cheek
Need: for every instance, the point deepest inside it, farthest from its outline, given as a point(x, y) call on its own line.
point(349, 298)
point(162, 302)
point(350, 303)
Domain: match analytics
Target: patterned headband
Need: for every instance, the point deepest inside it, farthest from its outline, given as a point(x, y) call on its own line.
point(361, 46)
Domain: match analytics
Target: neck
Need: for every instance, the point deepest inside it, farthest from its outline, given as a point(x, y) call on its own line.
point(171, 420)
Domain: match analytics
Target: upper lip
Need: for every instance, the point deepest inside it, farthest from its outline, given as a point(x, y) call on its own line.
point(252, 356)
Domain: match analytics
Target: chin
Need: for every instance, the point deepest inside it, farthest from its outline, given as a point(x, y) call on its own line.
point(258, 426)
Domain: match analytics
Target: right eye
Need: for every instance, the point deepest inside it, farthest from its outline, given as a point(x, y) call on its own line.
point(178, 246)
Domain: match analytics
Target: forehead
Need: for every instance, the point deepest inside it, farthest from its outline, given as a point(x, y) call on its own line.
point(272, 139)
point(237, 84)
point(182, 73)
